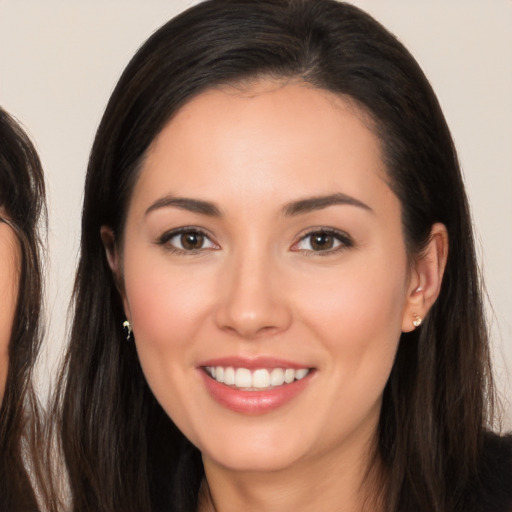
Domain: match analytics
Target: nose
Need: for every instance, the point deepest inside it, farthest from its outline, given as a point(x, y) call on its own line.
point(252, 301)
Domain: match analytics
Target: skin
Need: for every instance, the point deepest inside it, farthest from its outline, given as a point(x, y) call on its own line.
point(256, 288)
point(9, 277)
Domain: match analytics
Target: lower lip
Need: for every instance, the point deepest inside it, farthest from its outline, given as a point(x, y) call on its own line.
point(254, 402)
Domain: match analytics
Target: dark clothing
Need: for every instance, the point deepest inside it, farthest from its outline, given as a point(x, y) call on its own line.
point(493, 490)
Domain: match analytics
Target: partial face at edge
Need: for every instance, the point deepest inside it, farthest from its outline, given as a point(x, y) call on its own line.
point(9, 282)
point(261, 235)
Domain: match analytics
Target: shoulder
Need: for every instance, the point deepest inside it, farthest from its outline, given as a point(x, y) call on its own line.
point(495, 479)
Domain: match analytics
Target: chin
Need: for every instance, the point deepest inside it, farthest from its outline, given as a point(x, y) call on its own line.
point(250, 462)
point(261, 455)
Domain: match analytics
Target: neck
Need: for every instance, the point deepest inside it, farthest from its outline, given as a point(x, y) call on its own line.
point(328, 483)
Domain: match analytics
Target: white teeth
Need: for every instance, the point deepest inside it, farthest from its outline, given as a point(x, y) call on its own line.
point(229, 376)
point(256, 379)
point(261, 379)
point(277, 377)
point(300, 374)
point(243, 378)
point(289, 375)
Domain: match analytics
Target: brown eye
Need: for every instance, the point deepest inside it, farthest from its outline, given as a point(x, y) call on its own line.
point(192, 240)
point(187, 240)
point(321, 241)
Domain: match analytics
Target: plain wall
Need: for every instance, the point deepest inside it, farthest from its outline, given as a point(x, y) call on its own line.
point(60, 60)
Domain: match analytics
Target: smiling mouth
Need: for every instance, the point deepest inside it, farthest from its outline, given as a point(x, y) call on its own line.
point(255, 380)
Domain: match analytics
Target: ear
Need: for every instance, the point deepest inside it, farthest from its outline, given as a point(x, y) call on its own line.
point(114, 262)
point(426, 278)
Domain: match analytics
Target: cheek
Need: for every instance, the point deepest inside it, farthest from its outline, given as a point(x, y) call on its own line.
point(366, 298)
point(167, 308)
point(358, 318)
point(4, 365)
point(358, 315)
point(161, 293)
point(10, 257)
point(162, 307)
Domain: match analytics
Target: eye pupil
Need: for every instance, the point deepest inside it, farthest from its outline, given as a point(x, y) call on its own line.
point(321, 241)
point(192, 240)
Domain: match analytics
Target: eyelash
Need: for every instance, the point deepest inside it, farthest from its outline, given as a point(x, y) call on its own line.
point(344, 241)
point(165, 239)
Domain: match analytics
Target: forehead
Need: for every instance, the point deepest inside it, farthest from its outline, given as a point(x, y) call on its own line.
point(276, 103)
point(261, 138)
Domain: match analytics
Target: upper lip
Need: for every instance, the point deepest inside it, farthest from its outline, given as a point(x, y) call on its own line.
point(253, 363)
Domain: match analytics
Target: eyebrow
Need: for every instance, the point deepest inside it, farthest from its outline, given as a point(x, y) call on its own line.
point(294, 208)
point(311, 204)
point(185, 203)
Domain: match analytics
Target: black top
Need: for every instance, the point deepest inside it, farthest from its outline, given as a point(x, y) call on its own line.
point(493, 490)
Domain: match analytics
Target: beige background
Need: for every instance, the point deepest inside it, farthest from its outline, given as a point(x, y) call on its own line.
point(59, 61)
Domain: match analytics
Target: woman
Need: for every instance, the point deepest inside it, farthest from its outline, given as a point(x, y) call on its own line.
point(22, 195)
point(274, 212)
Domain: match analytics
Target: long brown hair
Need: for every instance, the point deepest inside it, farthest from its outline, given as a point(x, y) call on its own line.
point(121, 450)
point(22, 197)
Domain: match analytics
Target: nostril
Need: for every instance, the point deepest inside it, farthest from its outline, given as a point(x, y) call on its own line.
point(249, 331)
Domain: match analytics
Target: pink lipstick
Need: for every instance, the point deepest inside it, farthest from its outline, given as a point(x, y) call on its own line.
point(254, 386)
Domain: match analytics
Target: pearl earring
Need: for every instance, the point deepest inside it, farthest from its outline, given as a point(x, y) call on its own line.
point(127, 326)
point(417, 320)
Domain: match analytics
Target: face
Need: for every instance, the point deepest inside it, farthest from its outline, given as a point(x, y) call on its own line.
point(9, 271)
point(265, 275)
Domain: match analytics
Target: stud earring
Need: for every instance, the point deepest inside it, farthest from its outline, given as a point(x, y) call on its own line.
point(127, 326)
point(416, 320)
